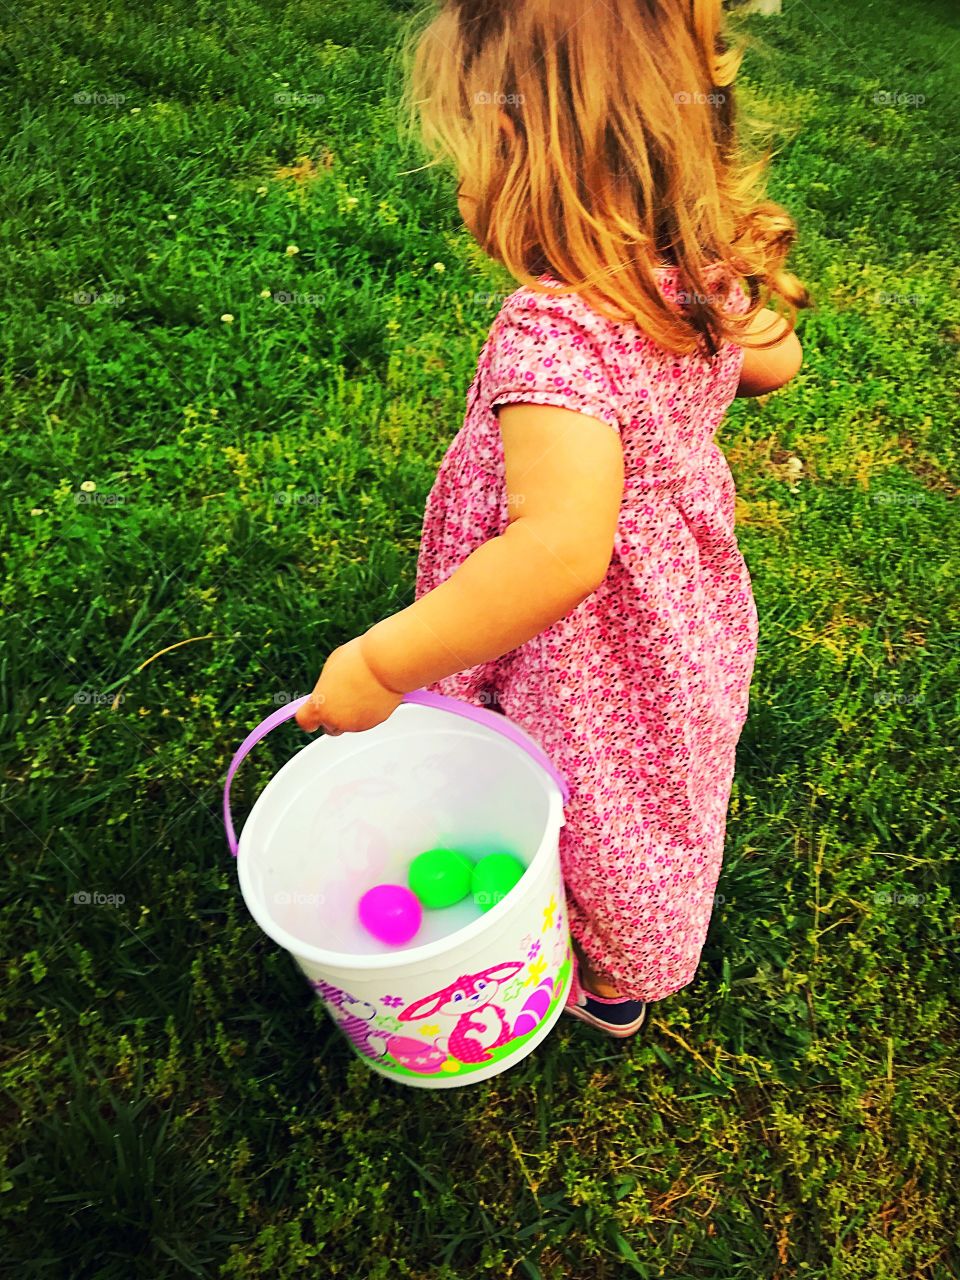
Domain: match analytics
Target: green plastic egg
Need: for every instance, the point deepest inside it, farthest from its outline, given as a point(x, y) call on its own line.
point(440, 877)
point(493, 878)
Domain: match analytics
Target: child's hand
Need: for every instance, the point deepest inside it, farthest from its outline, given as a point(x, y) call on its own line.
point(348, 697)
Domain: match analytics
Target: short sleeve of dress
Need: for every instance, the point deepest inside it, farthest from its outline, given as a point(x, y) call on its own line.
point(543, 352)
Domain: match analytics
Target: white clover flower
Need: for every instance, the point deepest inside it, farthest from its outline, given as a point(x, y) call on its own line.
point(88, 486)
point(264, 293)
point(291, 250)
point(227, 318)
point(438, 266)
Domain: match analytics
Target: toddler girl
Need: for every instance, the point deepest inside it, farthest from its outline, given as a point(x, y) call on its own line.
point(579, 568)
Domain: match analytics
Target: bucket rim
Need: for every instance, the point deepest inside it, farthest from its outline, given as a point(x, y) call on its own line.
point(403, 957)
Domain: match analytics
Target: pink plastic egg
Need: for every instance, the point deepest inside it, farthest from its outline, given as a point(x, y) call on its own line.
point(391, 913)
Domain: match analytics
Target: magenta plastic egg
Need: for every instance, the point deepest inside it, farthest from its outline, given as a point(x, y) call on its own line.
point(391, 913)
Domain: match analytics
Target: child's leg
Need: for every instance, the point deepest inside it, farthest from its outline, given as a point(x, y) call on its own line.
point(597, 983)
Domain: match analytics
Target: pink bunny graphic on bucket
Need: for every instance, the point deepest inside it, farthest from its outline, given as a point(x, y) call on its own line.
point(481, 1024)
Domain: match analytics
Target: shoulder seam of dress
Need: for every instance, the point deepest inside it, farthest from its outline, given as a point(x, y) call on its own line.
point(575, 320)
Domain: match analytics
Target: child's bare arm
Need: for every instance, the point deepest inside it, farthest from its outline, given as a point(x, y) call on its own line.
point(564, 480)
point(765, 369)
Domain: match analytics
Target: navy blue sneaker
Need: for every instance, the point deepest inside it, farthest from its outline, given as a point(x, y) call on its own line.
point(618, 1017)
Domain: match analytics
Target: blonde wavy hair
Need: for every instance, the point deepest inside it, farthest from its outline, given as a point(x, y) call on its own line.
point(598, 142)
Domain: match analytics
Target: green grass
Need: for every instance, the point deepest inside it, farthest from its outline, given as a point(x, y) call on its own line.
point(176, 1101)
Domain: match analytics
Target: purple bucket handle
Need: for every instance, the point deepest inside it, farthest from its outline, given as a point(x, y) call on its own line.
point(491, 719)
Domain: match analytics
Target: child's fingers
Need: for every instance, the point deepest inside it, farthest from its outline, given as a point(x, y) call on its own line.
point(309, 716)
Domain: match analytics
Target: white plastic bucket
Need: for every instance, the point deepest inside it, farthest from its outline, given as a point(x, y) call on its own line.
point(351, 811)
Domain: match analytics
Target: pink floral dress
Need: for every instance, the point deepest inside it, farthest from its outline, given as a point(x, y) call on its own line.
point(640, 693)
